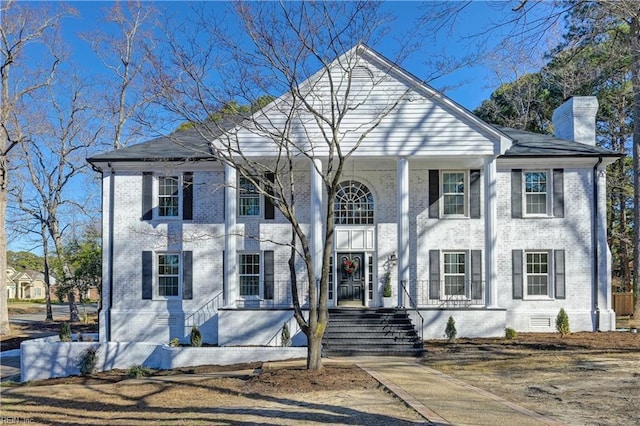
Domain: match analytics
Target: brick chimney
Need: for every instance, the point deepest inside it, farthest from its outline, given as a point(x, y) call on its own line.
point(576, 119)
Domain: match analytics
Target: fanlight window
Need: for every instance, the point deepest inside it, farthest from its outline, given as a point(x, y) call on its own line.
point(353, 204)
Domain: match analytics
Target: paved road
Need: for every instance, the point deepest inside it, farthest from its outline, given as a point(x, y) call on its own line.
point(60, 312)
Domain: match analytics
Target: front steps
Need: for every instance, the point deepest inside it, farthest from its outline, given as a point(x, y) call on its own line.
point(370, 331)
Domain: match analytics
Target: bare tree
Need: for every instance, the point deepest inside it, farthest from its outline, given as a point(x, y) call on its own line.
point(125, 54)
point(25, 31)
point(313, 53)
point(51, 166)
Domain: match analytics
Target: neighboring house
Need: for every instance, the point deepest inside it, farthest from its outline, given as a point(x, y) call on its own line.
point(493, 226)
point(26, 284)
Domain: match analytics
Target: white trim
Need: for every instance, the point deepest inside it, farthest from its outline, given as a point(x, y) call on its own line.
point(548, 194)
point(443, 275)
point(156, 274)
point(550, 276)
point(465, 195)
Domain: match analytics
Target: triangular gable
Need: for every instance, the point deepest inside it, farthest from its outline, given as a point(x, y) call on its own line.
point(418, 120)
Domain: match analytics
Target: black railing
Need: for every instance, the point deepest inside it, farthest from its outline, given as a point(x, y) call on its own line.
point(413, 308)
point(429, 293)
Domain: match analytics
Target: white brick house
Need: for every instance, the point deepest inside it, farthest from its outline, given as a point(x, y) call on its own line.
point(496, 227)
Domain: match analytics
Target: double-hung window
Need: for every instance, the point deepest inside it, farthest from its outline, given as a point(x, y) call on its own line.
point(454, 193)
point(168, 275)
point(537, 273)
point(249, 198)
point(249, 275)
point(536, 192)
point(454, 274)
point(168, 196)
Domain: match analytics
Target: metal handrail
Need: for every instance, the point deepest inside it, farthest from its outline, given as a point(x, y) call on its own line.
point(204, 313)
point(414, 306)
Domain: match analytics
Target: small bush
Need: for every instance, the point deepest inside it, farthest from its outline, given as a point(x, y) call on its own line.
point(562, 323)
point(174, 342)
point(65, 332)
point(510, 333)
point(88, 361)
point(138, 372)
point(450, 331)
point(285, 335)
point(196, 337)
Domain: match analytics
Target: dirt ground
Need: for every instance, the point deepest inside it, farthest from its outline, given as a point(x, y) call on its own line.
point(583, 378)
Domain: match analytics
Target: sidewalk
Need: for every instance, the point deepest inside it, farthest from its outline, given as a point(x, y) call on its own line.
point(442, 399)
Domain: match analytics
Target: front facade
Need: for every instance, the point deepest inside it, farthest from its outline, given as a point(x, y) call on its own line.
point(492, 226)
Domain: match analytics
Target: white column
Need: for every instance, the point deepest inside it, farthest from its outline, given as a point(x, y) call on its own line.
point(230, 257)
point(403, 226)
point(490, 233)
point(607, 320)
point(317, 237)
point(108, 194)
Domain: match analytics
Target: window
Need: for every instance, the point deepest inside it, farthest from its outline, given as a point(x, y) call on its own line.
point(537, 274)
point(168, 196)
point(168, 275)
point(454, 274)
point(453, 193)
point(353, 204)
point(249, 198)
point(535, 192)
point(249, 274)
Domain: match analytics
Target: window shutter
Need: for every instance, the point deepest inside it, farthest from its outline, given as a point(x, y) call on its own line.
point(516, 193)
point(559, 275)
point(516, 264)
point(474, 192)
point(147, 275)
point(187, 275)
point(434, 274)
point(187, 196)
point(434, 193)
point(268, 275)
point(147, 196)
point(476, 274)
point(269, 209)
point(558, 192)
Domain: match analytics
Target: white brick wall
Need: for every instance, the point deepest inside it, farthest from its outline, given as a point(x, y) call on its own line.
point(134, 319)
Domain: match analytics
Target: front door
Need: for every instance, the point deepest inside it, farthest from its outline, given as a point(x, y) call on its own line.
point(351, 278)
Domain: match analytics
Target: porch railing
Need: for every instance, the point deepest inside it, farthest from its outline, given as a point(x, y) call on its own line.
point(274, 295)
point(434, 293)
point(414, 310)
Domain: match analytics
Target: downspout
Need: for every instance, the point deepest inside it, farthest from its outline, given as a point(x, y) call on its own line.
point(111, 251)
point(594, 238)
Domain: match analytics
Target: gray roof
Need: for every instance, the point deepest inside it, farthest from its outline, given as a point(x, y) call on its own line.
point(189, 145)
point(529, 144)
point(182, 145)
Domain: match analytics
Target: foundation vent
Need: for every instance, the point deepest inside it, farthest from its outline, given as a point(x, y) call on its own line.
point(540, 322)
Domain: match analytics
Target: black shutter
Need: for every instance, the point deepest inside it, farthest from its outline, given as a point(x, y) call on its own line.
point(559, 275)
point(268, 275)
point(558, 192)
point(474, 192)
point(187, 196)
point(434, 194)
point(269, 209)
point(434, 274)
point(187, 275)
point(147, 275)
point(147, 196)
point(516, 262)
point(516, 193)
point(476, 274)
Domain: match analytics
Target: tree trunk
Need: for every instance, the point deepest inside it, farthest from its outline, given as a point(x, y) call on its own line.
point(47, 277)
point(314, 349)
point(635, 78)
point(5, 327)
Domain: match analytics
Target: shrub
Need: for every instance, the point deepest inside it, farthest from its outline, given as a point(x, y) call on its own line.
point(450, 330)
point(386, 291)
point(88, 361)
point(138, 371)
point(196, 337)
point(285, 335)
point(65, 332)
point(562, 323)
point(174, 342)
point(510, 333)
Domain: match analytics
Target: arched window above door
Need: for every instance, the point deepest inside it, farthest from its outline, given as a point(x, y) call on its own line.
point(353, 204)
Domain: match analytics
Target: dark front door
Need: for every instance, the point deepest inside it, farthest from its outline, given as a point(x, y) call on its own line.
point(351, 278)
